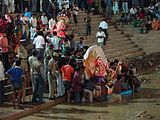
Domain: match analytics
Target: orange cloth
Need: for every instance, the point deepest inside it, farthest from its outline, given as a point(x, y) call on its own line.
point(156, 24)
point(4, 43)
point(67, 72)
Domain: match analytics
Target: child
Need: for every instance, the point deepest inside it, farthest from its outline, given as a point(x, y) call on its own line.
point(16, 74)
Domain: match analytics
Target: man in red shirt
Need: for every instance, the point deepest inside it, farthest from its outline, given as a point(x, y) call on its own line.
point(67, 74)
point(4, 49)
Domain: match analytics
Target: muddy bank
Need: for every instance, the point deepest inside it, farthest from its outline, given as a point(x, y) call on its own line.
point(146, 63)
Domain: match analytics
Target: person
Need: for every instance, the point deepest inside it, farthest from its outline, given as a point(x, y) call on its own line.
point(80, 44)
point(16, 75)
point(52, 76)
point(104, 25)
point(155, 24)
point(4, 48)
point(65, 4)
point(33, 21)
point(125, 6)
point(87, 20)
point(11, 6)
point(34, 5)
point(31, 59)
point(22, 55)
point(18, 27)
point(55, 41)
point(143, 28)
point(44, 19)
point(133, 11)
point(115, 7)
point(89, 88)
point(38, 73)
point(39, 43)
point(52, 9)
point(27, 13)
point(25, 27)
point(52, 23)
point(77, 82)
point(2, 78)
point(47, 56)
point(67, 74)
point(108, 9)
point(90, 4)
point(100, 37)
point(75, 14)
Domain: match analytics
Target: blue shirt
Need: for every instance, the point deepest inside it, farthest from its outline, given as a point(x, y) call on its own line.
point(16, 74)
point(28, 14)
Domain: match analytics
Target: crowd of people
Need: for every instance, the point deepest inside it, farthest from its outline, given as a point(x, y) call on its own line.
point(145, 19)
point(45, 57)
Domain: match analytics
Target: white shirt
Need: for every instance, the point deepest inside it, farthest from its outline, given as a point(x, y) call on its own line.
point(44, 20)
point(55, 42)
point(31, 59)
point(2, 76)
point(151, 9)
point(133, 11)
point(75, 10)
point(33, 22)
point(103, 25)
point(100, 34)
point(52, 22)
point(65, 4)
point(39, 42)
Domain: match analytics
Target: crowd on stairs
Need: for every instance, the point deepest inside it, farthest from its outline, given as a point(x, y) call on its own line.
point(45, 56)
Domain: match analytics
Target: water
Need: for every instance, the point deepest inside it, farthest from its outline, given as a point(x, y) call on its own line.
point(148, 99)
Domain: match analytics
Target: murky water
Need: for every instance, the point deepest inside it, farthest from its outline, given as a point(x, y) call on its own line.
point(148, 99)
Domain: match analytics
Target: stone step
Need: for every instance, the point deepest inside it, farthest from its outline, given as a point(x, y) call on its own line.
point(112, 45)
point(7, 88)
point(9, 95)
point(112, 50)
point(129, 55)
point(121, 52)
point(94, 30)
point(109, 41)
point(115, 45)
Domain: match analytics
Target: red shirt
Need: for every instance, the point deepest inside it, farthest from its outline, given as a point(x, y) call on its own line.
point(67, 72)
point(4, 43)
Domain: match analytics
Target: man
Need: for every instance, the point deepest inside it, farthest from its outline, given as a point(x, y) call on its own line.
point(52, 23)
point(67, 74)
point(34, 5)
point(100, 37)
point(125, 6)
point(55, 41)
point(104, 25)
point(39, 43)
point(88, 24)
point(38, 72)
point(108, 9)
point(44, 19)
point(2, 77)
point(23, 54)
point(52, 76)
point(47, 56)
point(80, 44)
point(4, 48)
point(31, 59)
point(77, 84)
point(5, 4)
point(11, 6)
